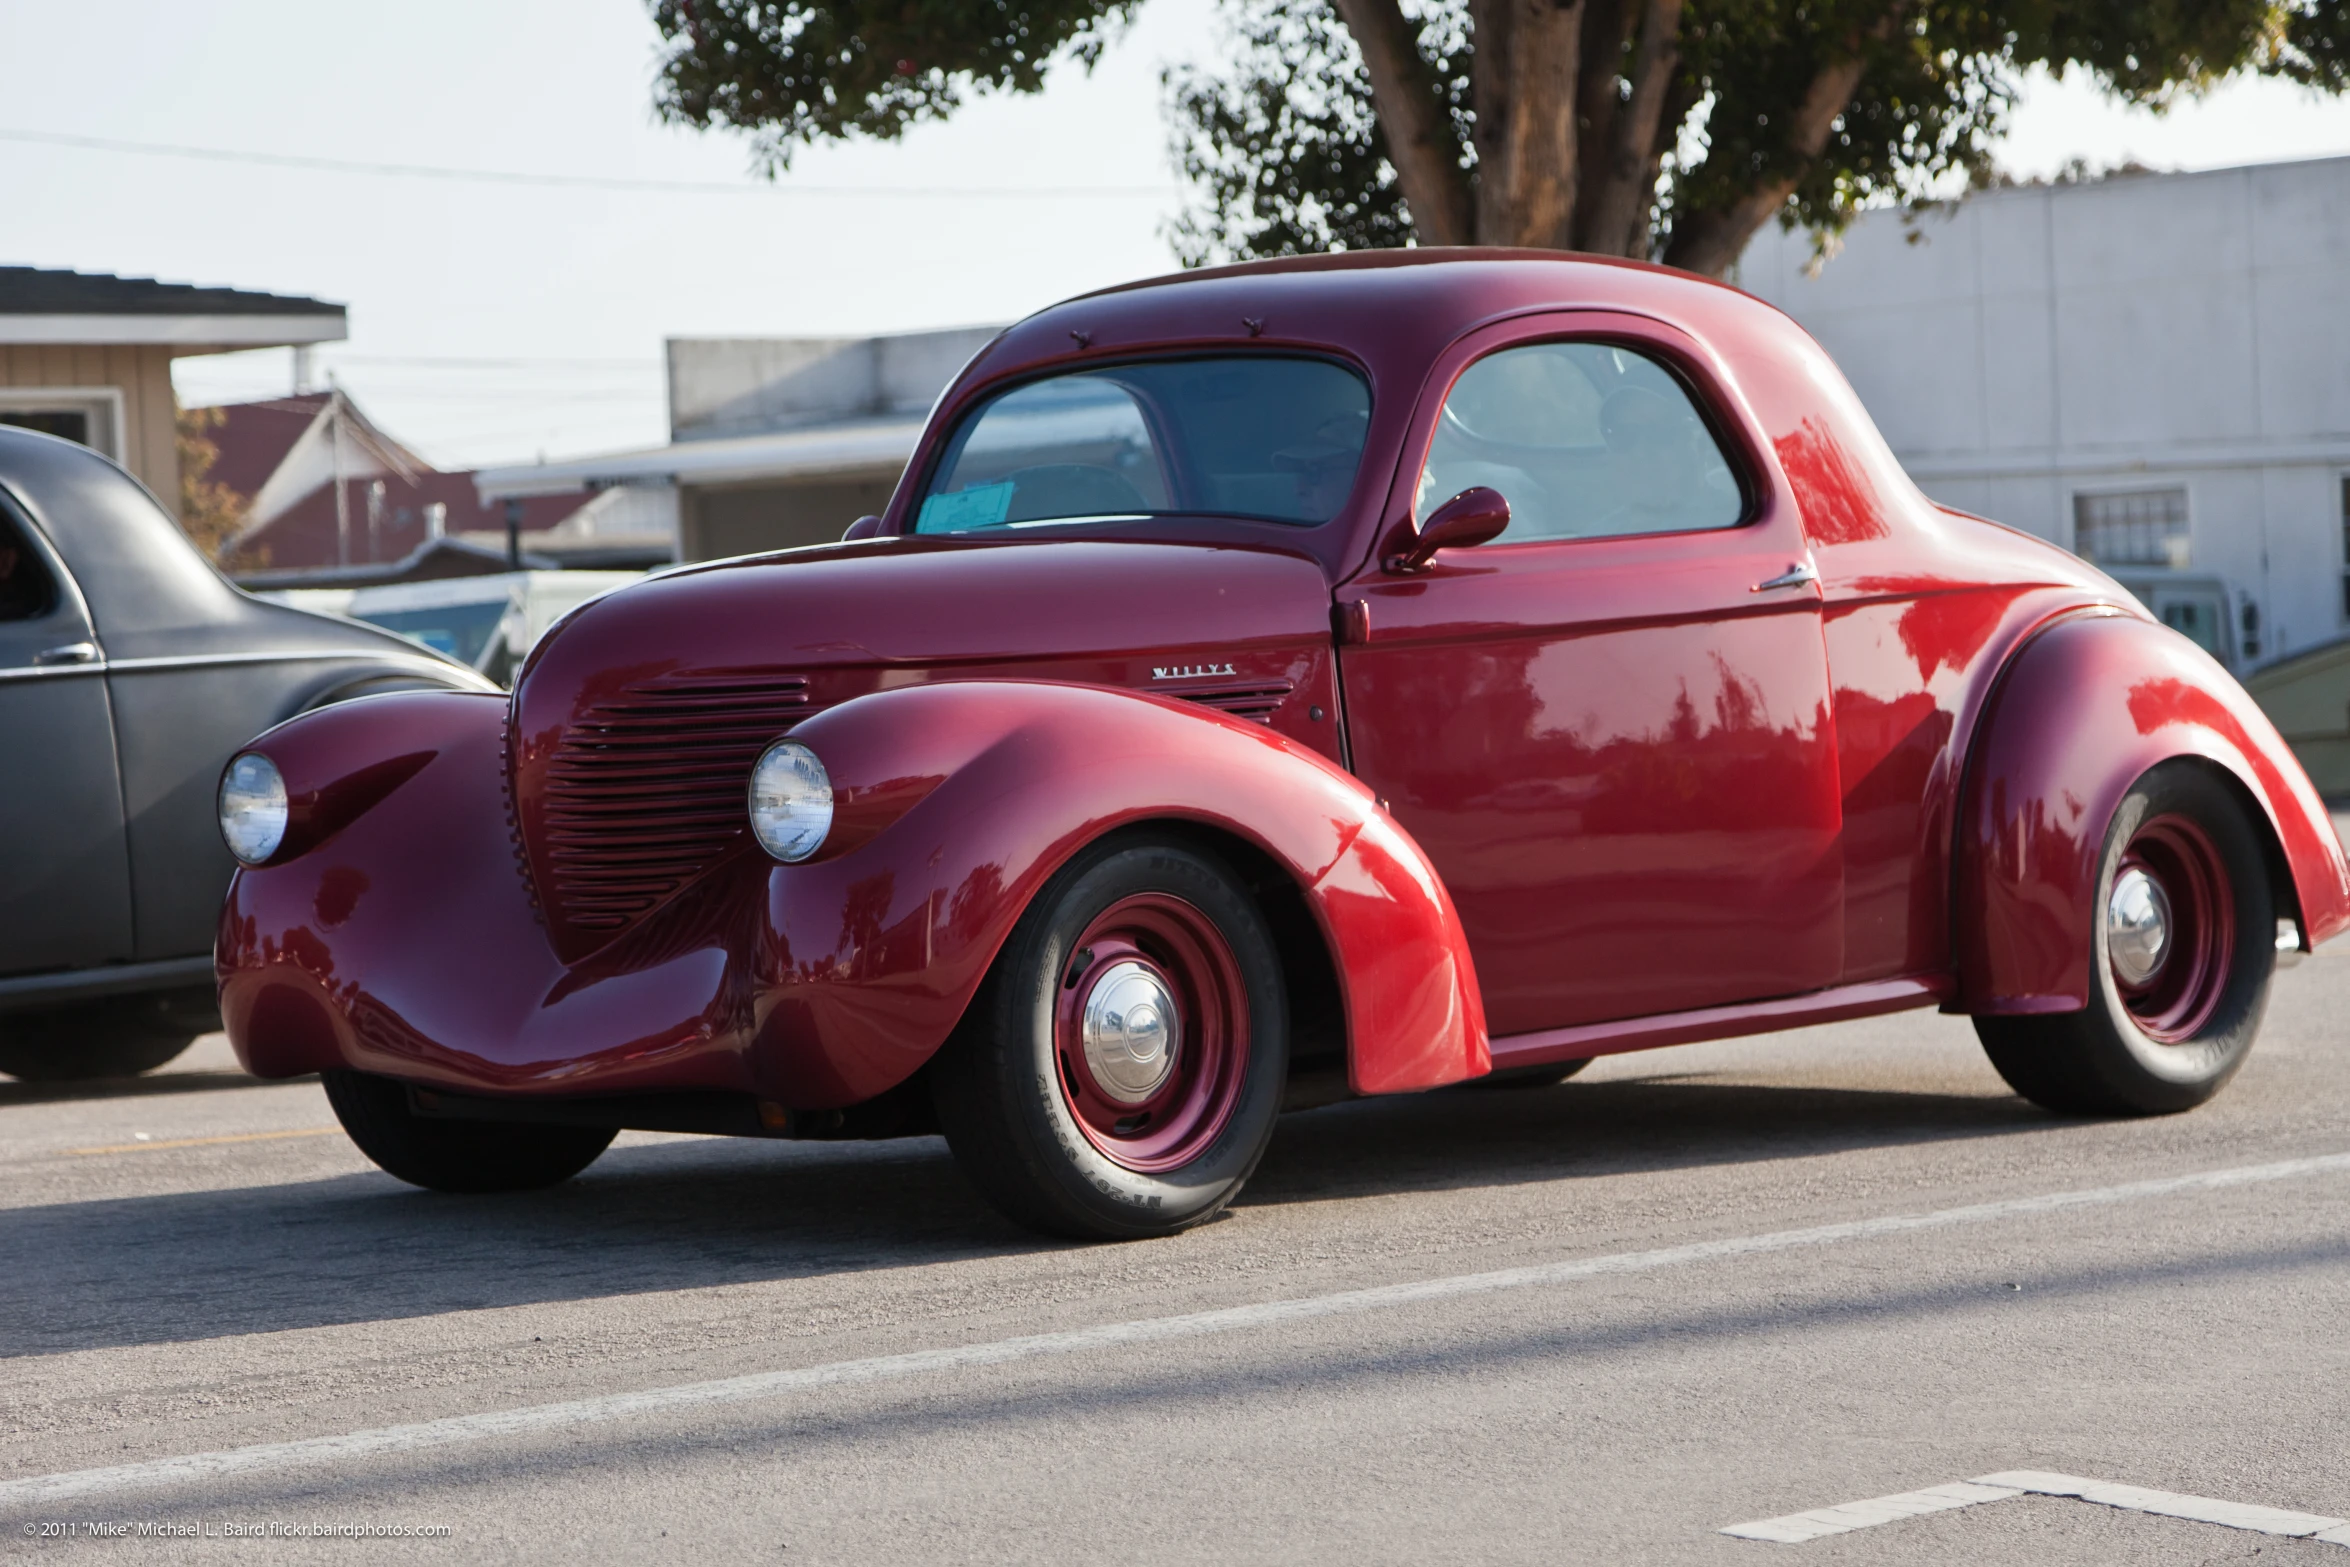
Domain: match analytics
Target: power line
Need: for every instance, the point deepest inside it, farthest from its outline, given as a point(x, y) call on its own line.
point(511, 361)
point(423, 171)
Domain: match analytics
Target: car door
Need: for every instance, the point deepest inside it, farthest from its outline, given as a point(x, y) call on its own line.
point(1610, 727)
point(64, 871)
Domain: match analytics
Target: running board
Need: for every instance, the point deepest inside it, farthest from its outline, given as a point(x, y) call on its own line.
point(27, 992)
point(1754, 1017)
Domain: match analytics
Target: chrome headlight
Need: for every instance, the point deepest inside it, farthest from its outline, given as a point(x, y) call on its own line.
point(791, 801)
point(253, 807)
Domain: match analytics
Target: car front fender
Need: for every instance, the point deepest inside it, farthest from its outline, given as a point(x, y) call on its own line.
point(957, 801)
point(2083, 710)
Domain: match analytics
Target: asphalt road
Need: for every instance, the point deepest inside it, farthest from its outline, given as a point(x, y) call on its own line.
point(193, 1266)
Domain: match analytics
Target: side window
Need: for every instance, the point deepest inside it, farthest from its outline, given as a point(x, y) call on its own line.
point(25, 589)
point(1587, 440)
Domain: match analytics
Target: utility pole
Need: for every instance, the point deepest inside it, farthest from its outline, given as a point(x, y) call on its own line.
point(334, 412)
point(513, 533)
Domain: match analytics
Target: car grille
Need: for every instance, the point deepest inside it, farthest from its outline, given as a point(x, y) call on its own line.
point(647, 790)
point(1255, 701)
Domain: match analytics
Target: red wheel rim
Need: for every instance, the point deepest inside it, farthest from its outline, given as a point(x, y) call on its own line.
point(2174, 1002)
point(1181, 952)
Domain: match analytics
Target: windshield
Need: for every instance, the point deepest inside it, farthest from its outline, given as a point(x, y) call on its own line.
point(1260, 436)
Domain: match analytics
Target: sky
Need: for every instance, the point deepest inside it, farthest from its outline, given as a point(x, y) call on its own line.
point(501, 322)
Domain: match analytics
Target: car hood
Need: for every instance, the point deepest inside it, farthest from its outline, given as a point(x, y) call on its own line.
point(638, 718)
point(907, 607)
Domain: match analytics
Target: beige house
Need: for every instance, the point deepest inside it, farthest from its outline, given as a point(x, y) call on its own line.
point(88, 357)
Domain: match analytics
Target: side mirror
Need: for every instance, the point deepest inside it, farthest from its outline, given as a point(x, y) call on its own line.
point(1474, 516)
point(862, 528)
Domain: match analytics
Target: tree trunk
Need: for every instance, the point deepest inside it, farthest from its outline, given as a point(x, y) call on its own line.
point(1619, 211)
point(1711, 241)
point(1563, 159)
point(1526, 150)
point(1596, 105)
point(1419, 138)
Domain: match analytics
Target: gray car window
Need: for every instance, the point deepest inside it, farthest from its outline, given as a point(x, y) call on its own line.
point(1586, 440)
point(25, 589)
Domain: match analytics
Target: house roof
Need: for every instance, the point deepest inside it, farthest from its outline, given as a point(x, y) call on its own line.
point(43, 291)
point(45, 305)
point(280, 457)
point(274, 452)
point(254, 438)
point(305, 534)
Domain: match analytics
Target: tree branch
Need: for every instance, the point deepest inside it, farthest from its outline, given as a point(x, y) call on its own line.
point(1617, 224)
point(1710, 241)
point(1420, 137)
point(1680, 98)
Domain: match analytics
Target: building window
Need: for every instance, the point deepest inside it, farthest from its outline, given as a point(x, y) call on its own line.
point(2132, 528)
point(91, 415)
point(71, 423)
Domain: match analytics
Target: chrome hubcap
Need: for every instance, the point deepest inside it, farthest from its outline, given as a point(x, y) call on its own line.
point(2137, 926)
point(1130, 1029)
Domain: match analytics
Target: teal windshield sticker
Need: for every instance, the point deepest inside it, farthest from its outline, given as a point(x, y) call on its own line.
point(981, 506)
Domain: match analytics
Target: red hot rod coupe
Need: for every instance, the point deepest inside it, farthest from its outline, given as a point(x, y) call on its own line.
point(1353, 674)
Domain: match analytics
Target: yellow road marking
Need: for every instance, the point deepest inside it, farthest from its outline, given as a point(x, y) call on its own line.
point(203, 1142)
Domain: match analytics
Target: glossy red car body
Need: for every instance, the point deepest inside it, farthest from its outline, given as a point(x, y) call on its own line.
point(1537, 802)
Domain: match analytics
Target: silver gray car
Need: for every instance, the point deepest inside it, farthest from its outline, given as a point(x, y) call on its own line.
point(130, 671)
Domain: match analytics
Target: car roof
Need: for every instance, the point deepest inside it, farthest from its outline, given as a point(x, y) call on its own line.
point(1372, 305)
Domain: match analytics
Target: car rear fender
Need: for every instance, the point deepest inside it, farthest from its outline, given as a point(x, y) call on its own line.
point(2081, 712)
point(957, 801)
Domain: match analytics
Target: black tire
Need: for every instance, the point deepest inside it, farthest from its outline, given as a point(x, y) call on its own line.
point(1025, 1118)
point(1548, 1075)
point(2148, 1051)
point(117, 1036)
point(457, 1156)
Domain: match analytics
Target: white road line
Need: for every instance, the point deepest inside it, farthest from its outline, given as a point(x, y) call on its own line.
point(45, 1489)
point(1798, 1527)
point(2130, 1498)
point(1795, 1528)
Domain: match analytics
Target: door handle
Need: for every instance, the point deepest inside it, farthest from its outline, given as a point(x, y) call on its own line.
point(1796, 576)
point(70, 653)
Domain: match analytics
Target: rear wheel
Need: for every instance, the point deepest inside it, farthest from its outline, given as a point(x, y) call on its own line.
point(1119, 1073)
point(2180, 961)
point(457, 1156)
point(117, 1036)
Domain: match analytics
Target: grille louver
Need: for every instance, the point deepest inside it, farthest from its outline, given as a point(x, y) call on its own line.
point(647, 790)
point(1255, 701)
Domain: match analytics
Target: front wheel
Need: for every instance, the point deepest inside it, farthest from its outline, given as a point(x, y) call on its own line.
point(457, 1156)
point(2182, 950)
point(1119, 1073)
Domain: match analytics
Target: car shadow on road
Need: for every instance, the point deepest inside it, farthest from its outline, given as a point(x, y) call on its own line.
point(13, 1092)
point(698, 1213)
point(1476, 1137)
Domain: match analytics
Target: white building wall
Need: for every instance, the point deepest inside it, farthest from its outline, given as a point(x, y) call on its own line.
point(2141, 332)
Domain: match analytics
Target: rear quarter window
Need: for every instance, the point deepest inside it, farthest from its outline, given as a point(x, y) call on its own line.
point(26, 590)
point(1586, 440)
